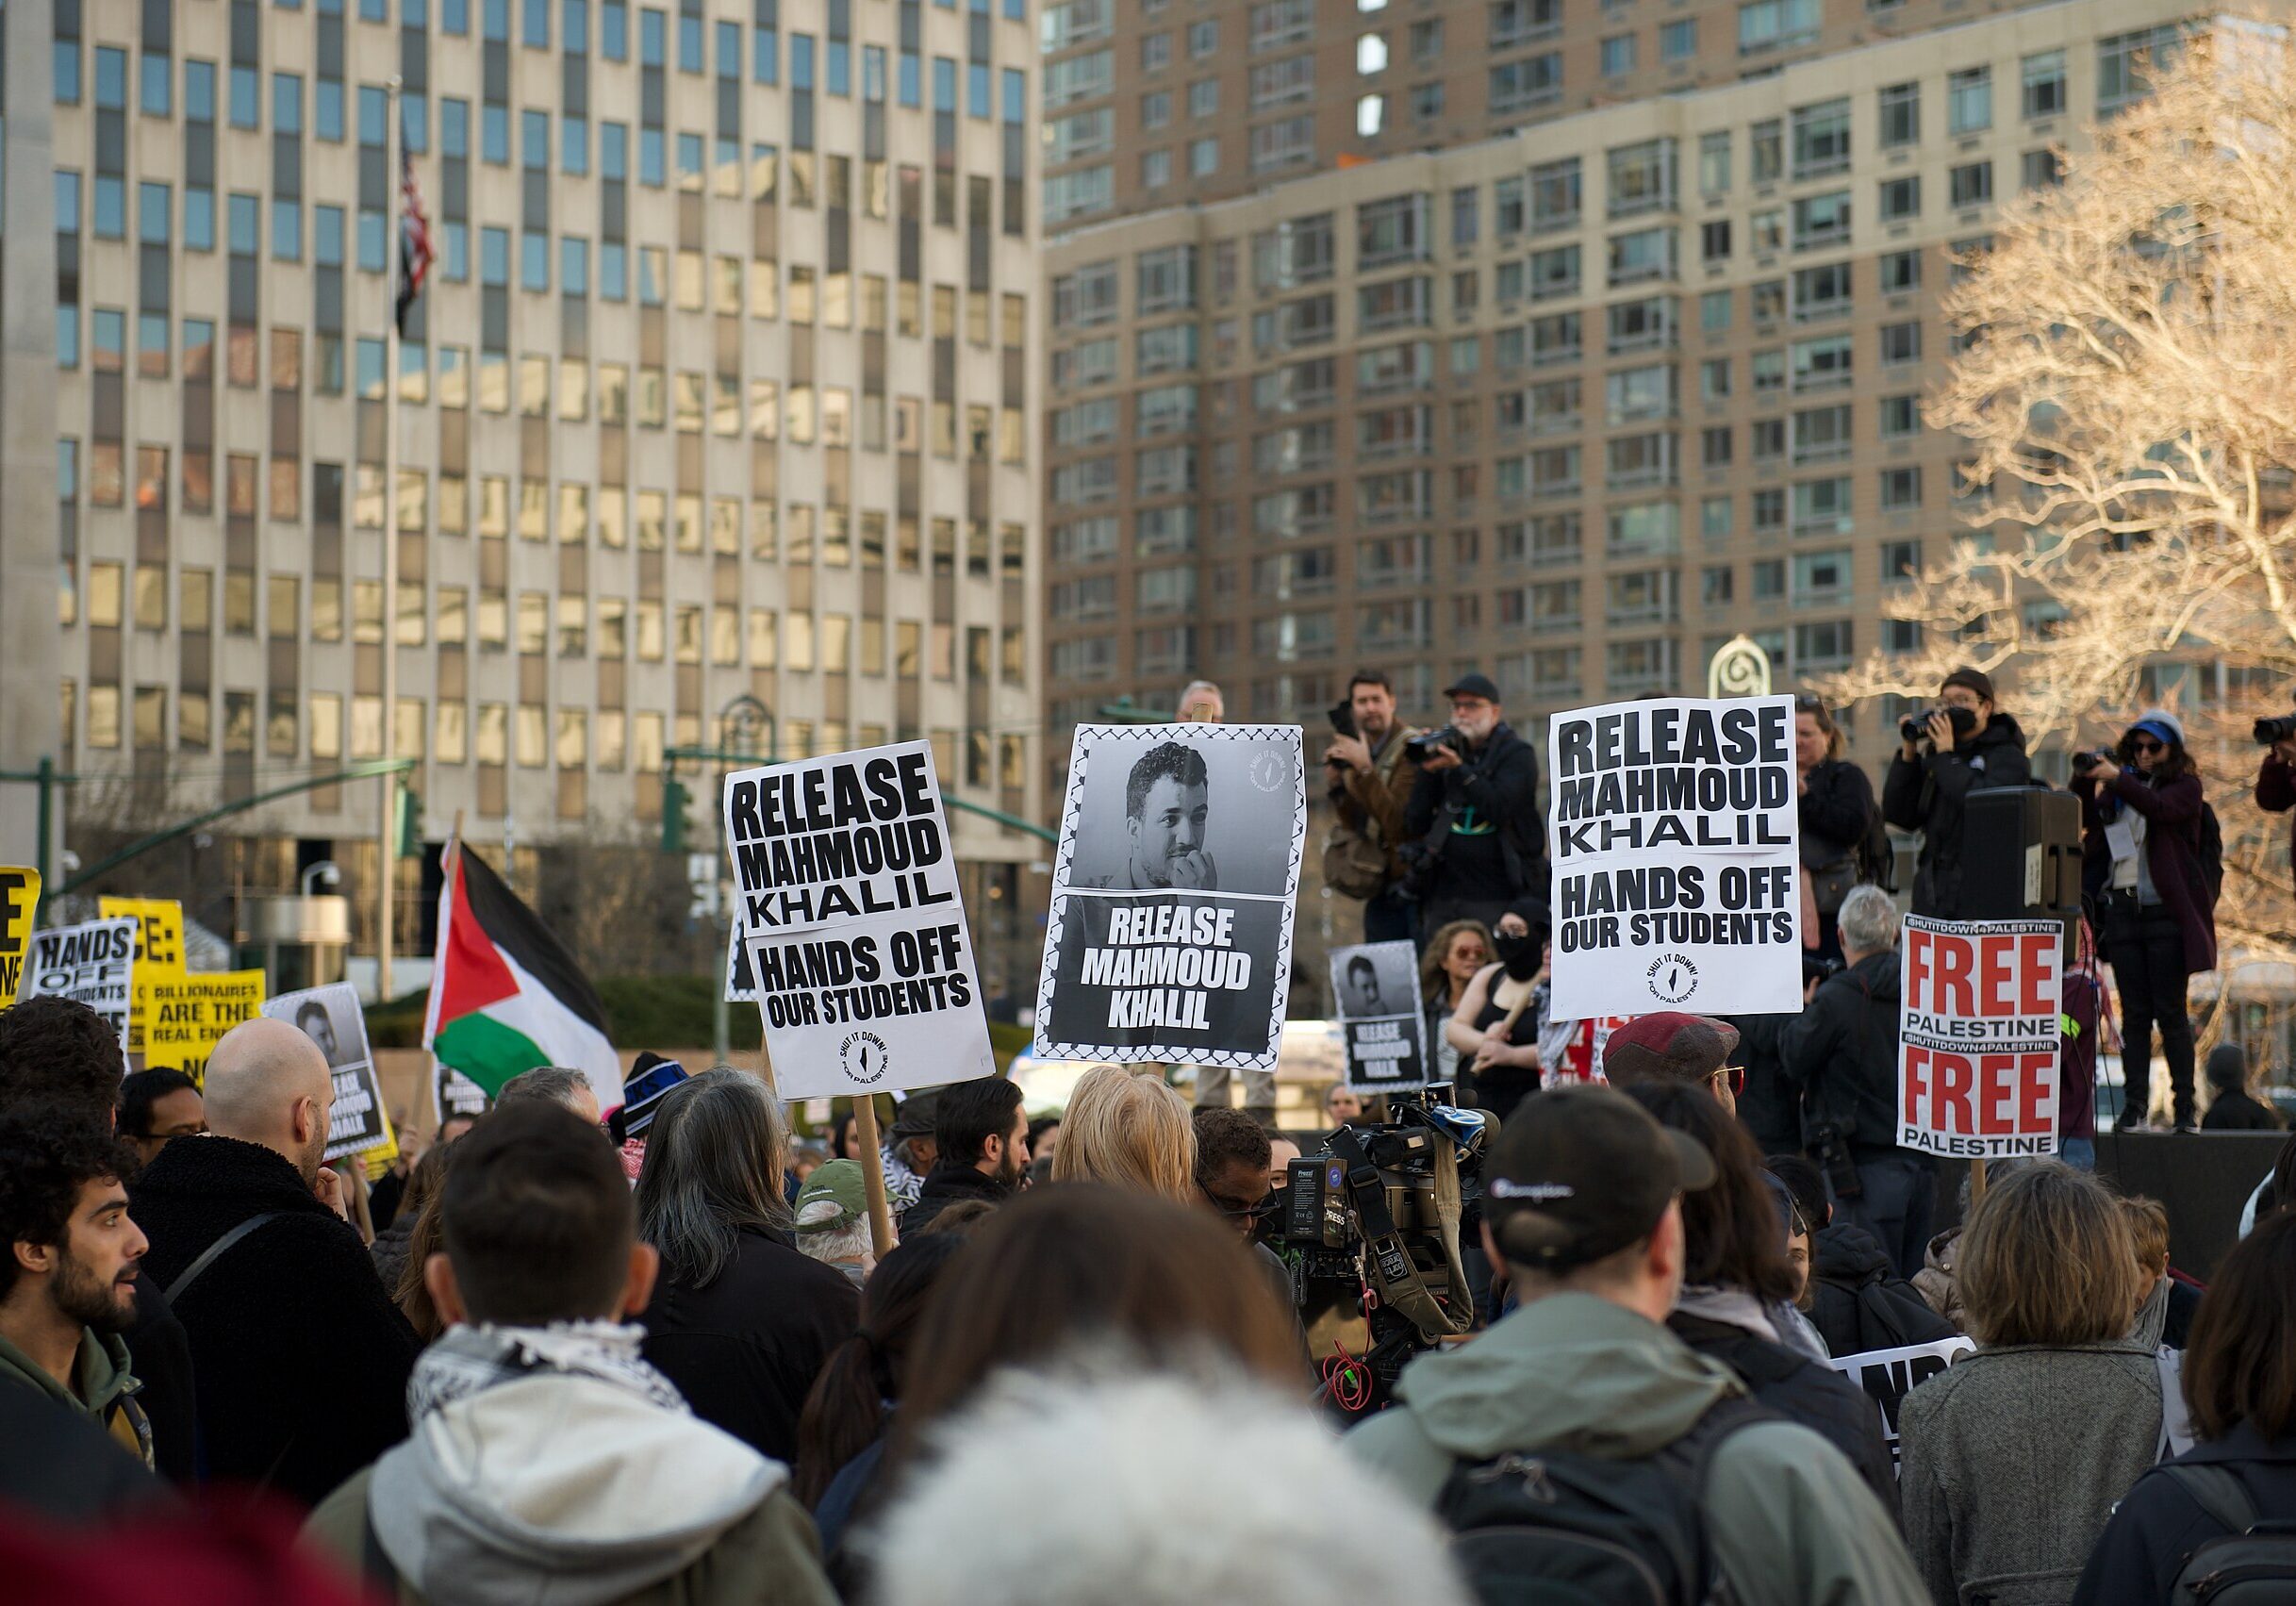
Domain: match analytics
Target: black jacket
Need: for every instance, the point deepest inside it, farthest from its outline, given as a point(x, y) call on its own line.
point(1858, 1302)
point(946, 1182)
point(1926, 794)
point(745, 1350)
point(1836, 811)
point(1842, 1052)
point(1477, 826)
point(2237, 1110)
point(1771, 1105)
point(161, 1351)
point(1801, 1390)
point(57, 1465)
point(302, 1358)
point(2157, 1525)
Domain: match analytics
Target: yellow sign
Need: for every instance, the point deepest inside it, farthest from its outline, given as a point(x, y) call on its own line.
point(187, 1014)
point(18, 897)
point(159, 948)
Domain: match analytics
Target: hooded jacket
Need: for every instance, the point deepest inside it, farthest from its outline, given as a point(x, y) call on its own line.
point(1858, 1301)
point(560, 1490)
point(301, 1357)
point(104, 1389)
point(1928, 794)
point(1938, 1283)
point(1787, 1515)
point(2158, 1525)
point(1842, 1052)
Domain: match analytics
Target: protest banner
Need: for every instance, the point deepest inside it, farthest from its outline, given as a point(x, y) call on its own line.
point(1977, 1037)
point(454, 1095)
point(1169, 937)
point(185, 1014)
point(1376, 986)
point(93, 963)
point(19, 901)
point(331, 1017)
point(160, 951)
point(740, 985)
point(1889, 1374)
point(845, 892)
point(1672, 828)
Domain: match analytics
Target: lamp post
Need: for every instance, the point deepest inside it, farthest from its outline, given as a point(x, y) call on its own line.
point(741, 725)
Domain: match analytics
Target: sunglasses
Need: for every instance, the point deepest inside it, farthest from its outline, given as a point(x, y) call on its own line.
point(1260, 1210)
point(2146, 744)
point(1736, 1078)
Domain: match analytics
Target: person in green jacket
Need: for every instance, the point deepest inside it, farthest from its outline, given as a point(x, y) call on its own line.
point(549, 1464)
point(1582, 1202)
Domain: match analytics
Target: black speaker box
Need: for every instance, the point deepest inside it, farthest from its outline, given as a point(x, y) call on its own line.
point(2020, 856)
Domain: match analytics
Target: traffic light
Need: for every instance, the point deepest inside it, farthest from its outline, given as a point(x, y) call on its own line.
point(407, 826)
point(673, 814)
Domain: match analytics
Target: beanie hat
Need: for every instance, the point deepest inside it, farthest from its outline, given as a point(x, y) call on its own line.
point(1975, 679)
point(651, 1077)
point(2161, 726)
point(2228, 1067)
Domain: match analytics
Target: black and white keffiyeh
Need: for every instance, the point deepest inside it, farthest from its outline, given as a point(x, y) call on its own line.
point(471, 1359)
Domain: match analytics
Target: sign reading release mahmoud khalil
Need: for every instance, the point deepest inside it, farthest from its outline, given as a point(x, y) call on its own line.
point(1171, 929)
point(1674, 827)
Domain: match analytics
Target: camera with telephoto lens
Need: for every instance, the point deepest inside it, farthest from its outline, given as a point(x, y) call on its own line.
point(2275, 730)
point(1915, 727)
point(1418, 747)
point(2084, 762)
point(1371, 1229)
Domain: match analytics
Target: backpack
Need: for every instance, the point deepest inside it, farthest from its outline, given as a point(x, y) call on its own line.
point(2209, 846)
point(2253, 1563)
point(1561, 1528)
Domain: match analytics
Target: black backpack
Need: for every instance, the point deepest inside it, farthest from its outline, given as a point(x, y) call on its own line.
point(1562, 1528)
point(2252, 1563)
point(2209, 848)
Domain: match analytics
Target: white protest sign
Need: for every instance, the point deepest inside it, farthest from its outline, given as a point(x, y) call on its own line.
point(93, 963)
point(332, 1018)
point(1377, 986)
point(1977, 1035)
point(846, 894)
point(1889, 1374)
point(1673, 827)
point(1169, 934)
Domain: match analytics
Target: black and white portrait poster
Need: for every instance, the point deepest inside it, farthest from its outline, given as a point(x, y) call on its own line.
point(1673, 826)
point(331, 1017)
point(1376, 988)
point(1170, 930)
point(846, 897)
point(93, 963)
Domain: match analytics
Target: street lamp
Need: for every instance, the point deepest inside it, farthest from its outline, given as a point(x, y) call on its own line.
point(325, 870)
point(741, 725)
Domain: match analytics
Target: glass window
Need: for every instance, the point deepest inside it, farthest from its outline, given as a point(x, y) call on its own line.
point(1969, 101)
point(2043, 84)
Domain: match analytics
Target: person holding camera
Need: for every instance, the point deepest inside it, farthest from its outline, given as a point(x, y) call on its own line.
point(1476, 844)
point(2276, 775)
point(1835, 804)
point(1958, 746)
point(2142, 814)
point(1370, 788)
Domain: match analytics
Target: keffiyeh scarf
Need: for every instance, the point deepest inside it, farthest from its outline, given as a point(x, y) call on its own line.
point(471, 1359)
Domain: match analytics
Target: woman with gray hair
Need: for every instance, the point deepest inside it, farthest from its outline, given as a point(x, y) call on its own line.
point(741, 1320)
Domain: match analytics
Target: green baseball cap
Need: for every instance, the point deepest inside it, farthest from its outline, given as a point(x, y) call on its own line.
point(838, 1182)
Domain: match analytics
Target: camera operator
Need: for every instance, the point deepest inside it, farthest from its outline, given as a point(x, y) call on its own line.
point(1477, 842)
point(2140, 852)
point(2276, 775)
point(1370, 788)
point(1960, 747)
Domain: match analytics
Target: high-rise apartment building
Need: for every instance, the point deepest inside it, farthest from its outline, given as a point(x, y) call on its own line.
point(1573, 404)
point(722, 385)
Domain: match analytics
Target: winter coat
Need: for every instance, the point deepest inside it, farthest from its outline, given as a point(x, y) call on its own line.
point(945, 1184)
point(1842, 1052)
point(2082, 997)
point(1836, 811)
point(2158, 1525)
point(104, 1390)
point(2012, 1459)
point(301, 1357)
point(2276, 793)
point(388, 1252)
point(1858, 1302)
point(745, 1350)
point(2172, 851)
point(1771, 1104)
point(1788, 1518)
point(1936, 1281)
point(2237, 1110)
point(60, 1465)
point(162, 1356)
point(565, 1491)
point(1928, 794)
point(1370, 803)
point(1493, 844)
point(1801, 1390)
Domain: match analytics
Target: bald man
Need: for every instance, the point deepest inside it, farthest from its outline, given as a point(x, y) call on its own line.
point(301, 1358)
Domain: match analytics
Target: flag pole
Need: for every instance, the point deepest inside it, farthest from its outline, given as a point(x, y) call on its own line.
point(386, 835)
point(872, 1175)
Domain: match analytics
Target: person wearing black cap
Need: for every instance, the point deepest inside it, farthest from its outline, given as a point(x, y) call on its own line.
point(1583, 1202)
point(1930, 780)
point(1475, 843)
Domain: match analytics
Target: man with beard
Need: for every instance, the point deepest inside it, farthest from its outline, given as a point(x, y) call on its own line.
point(301, 1359)
point(1166, 800)
point(68, 1271)
point(1370, 786)
point(983, 1137)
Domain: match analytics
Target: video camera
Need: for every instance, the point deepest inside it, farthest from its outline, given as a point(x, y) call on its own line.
point(2282, 728)
point(1419, 747)
point(1915, 727)
point(1372, 1229)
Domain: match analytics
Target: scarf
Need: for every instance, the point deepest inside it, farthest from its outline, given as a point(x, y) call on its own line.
point(471, 1359)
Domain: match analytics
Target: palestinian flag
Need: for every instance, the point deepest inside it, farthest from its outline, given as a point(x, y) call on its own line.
point(506, 997)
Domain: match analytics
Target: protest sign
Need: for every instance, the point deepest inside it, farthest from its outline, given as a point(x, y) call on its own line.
point(1889, 1374)
point(93, 963)
point(1978, 1038)
point(1672, 828)
point(1571, 1050)
point(1377, 988)
point(185, 1014)
point(19, 900)
point(331, 1017)
point(846, 893)
point(1169, 937)
point(454, 1095)
point(159, 952)
point(740, 985)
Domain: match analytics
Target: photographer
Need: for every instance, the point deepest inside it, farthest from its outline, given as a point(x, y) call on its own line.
point(2142, 812)
point(1842, 1052)
point(1476, 844)
point(1962, 745)
point(2276, 775)
point(1365, 770)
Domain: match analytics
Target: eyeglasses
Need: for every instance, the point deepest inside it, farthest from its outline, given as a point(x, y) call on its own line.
point(1260, 1210)
point(1735, 1076)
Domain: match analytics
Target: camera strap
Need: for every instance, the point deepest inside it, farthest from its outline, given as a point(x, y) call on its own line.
point(1386, 1257)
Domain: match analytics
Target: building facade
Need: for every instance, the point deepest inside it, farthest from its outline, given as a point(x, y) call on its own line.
point(722, 386)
